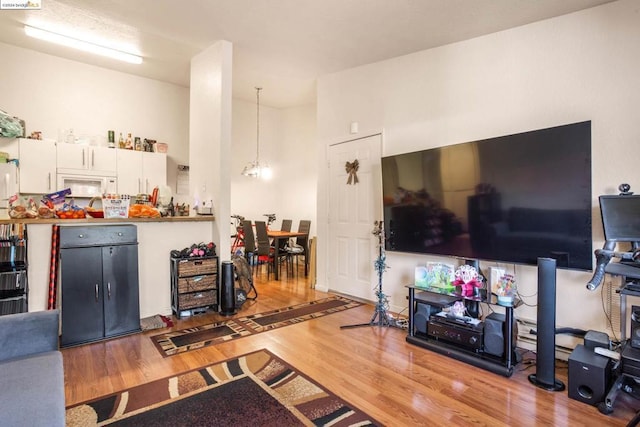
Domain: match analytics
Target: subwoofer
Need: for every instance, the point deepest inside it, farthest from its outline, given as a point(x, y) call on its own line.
point(635, 326)
point(494, 334)
point(589, 375)
point(421, 316)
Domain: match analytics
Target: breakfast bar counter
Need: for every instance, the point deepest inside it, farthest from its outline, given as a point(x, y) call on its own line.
point(98, 221)
point(157, 237)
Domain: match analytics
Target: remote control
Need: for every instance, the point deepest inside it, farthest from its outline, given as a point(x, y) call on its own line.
point(606, 352)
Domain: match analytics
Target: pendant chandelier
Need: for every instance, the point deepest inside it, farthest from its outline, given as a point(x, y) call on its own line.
point(257, 169)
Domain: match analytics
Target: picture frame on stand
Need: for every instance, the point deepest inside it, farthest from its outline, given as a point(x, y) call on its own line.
point(434, 275)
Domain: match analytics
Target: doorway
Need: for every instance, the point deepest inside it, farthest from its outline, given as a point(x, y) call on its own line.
point(353, 209)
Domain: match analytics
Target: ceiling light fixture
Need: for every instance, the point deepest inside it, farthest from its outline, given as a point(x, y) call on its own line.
point(256, 169)
point(81, 45)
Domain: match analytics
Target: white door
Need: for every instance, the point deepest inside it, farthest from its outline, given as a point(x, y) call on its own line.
point(353, 209)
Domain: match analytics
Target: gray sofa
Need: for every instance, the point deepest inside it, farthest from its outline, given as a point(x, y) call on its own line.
point(31, 370)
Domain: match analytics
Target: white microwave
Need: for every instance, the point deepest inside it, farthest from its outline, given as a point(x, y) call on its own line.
point(87, 185)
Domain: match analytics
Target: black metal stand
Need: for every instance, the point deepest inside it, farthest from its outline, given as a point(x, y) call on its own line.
point(380, 316)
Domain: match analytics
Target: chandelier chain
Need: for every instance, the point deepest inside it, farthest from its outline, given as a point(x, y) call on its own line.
point(258, 89)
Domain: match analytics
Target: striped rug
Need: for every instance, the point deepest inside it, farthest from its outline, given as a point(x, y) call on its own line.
point(175, 342)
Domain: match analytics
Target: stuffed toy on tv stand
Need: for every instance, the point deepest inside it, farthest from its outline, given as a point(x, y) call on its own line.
point(469, 283)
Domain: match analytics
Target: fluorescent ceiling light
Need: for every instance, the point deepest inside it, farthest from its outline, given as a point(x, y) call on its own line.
point(81, 45)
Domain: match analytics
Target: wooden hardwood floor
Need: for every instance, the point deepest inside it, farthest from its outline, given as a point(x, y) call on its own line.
point(373, 368)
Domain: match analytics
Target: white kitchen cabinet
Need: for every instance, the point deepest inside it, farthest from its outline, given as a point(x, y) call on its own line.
point(139, 172)
point(37, 168)
point(154, 171)
point(86, 159)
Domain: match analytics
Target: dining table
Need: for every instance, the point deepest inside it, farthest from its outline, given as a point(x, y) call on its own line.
point(277, 236)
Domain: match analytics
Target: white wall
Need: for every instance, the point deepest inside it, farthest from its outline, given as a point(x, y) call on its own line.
point(288, 144)
point(52, 94)
point(210, 137)
point(582, 66)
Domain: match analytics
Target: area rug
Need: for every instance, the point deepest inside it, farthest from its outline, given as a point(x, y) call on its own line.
point(257, 389)
point(171, 343)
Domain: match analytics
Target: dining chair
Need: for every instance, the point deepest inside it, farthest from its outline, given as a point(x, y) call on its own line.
point(284, 243)
point(250, 252)
point(301, 247)
point(265, 253)
point(286, 225)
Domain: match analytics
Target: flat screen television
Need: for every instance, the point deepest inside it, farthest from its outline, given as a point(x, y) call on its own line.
point(507, 199)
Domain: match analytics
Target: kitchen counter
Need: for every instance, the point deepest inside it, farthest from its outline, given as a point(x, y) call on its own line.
point(97, 221)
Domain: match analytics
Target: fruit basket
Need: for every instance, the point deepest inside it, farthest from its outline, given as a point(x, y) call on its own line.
point(94, 212)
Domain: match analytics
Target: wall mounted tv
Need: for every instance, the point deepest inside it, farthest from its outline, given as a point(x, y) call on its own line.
point(508, 199)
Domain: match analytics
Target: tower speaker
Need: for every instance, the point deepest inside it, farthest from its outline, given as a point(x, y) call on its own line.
point(635, 326)
point(589, 375)
point(421, 316)
point(494, 331)
point(226, 290)
point(546, 330)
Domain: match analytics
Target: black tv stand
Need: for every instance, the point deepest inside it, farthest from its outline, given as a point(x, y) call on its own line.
point(473, 356)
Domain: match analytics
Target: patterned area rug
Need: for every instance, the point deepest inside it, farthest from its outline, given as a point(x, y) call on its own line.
point(175, 342)
point(257, 389)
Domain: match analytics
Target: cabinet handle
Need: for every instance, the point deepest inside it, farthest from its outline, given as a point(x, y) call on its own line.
point(96, 292)
point(83, 157)
point(109, 290)
point(93, 158)
point(139, 186)
point(49, 180)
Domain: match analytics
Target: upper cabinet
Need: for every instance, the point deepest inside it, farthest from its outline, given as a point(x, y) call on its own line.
point(86, 159)
point(140, 172)
point(154, 169)
point(41, 162)
point(37, 166)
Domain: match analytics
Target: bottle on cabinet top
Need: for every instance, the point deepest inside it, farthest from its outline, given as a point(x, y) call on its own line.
point(111, 139)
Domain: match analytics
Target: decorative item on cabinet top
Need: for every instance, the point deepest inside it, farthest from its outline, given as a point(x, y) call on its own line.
point(195, 250)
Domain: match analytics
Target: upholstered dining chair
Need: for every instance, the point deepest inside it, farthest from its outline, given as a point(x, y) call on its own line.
point(284, 243)
point(301, 247)
point(265, 253)
point(286, 225)
point(250, 252)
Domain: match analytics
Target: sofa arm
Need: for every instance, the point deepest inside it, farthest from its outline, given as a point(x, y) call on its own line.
point(23, 334)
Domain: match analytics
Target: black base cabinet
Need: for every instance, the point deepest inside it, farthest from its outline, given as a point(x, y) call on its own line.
point(99, 282)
